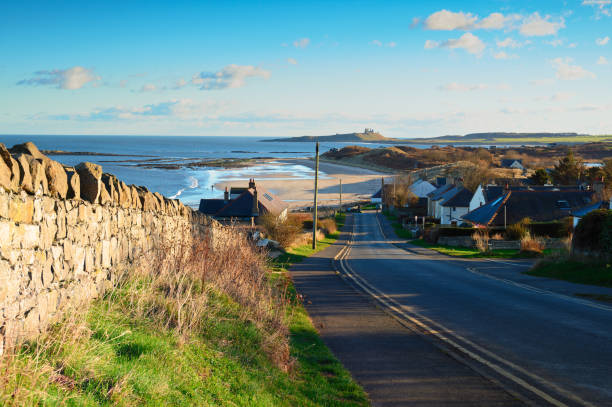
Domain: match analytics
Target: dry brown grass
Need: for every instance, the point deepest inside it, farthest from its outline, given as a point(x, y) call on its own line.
point(532, 244)
point(481, 241)
point(284, 231)
point(327, 226)
point(170, 288)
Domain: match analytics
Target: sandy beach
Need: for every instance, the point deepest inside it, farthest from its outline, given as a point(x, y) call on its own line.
point(357, 183)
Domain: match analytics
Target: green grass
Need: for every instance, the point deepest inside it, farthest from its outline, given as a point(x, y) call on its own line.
point(468, 252)
point(121, 360)
point(599, 274)
point(397, 227)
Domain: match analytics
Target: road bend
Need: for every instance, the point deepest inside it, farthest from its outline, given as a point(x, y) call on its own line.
point(544, 349)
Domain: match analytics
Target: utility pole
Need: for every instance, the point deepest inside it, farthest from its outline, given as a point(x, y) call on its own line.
point(505, 217)
point(316, 188)
point(340, 194)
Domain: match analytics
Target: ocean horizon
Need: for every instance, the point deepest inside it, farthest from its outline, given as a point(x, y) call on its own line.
point(186, 184)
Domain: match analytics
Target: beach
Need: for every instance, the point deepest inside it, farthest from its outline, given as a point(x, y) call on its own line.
point(357, 183)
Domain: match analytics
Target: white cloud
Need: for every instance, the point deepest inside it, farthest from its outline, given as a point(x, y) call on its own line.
point(568, 72)
point(148, 87)
point(468, 41)
point(557, 42)
point(180, 83)
point(572, 45)
point(602, 7)
point(462, 87)
point(561, 96)
point(430, 44)
point(602, 41)
point(602, 61)
point(70, 79)
point(509, 43)
point(301, 43)
point(376, 42)
point(415, 22)
point(495, 21)
point(447, 20)
point(536, 26)
point(232, 76)
point(391, 44)
point(292, 61)
point(504, 55)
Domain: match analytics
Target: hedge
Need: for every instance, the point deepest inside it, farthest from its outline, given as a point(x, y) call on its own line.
point(594, 232)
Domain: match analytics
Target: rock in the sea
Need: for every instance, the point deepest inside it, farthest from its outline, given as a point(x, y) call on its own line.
point(74, 184)
point(89, 176)
point(57, 180)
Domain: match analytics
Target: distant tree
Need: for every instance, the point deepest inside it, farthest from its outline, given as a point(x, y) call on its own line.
point(568, 171)
point(540, 177)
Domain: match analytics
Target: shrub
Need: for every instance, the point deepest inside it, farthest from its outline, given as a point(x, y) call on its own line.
point(594, 232)
point(558, 229)
point(284, 231)
point(532, 245)
point(328, 226)
point(481, 240)
point(518, 230)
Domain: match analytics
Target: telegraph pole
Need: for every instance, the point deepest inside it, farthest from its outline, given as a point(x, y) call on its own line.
point(340, 194)
point(316, 188)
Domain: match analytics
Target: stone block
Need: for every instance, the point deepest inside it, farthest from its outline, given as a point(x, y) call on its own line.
point(28, 148)
point(57, 180)
point(4, 204)
point(74, 184)
point(39, 177)
point(9, 284)
point(90, 184)
point(25, 178)
point(21, 209)
point(106, 254)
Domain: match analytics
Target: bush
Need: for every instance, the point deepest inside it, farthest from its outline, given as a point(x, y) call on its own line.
point(558, 229)
point(532, 245)
point(594, 232)
point(284, 231)
point(455, 231)
point(518, 230)
point(481, 240)
point(328, 226)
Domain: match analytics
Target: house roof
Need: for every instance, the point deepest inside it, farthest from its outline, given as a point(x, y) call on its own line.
point(539, 206)
point(211, 206)
point(421, 188)
point(589, 208)
point(438, 192)
point(449, 194)
point(460, 199)
point(243, 205)
point(507, 162)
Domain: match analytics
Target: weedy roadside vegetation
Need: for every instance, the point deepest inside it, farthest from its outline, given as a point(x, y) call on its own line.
point(191, 324)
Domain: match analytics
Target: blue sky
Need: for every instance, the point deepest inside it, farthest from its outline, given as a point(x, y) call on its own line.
point(281, 69)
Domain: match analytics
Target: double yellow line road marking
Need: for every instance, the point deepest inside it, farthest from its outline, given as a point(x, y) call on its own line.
point(527, 386)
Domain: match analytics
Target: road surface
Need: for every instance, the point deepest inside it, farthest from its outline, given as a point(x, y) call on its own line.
point(545, 349)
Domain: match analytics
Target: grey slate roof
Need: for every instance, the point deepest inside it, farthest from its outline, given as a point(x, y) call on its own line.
point(539, 206)
point(460, 199)
point(243, 205)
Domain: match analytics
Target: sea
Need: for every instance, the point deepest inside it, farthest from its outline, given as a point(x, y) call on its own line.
point(186, 184)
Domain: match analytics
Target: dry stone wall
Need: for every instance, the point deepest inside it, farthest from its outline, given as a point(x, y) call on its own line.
point(67, 233)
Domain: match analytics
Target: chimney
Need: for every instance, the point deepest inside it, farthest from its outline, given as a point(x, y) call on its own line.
point(252, 183)
point(226, 195)
point(255, 201)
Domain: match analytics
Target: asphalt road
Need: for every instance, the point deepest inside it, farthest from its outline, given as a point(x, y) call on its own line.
point(545, 349)
point(395, 365)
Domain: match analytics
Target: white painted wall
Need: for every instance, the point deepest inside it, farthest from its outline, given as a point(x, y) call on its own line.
point(478, 199)
point(450, 214)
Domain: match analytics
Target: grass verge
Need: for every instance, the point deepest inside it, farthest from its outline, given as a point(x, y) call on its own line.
point(179, 333)
point(599, 274)
point(397, 227)
point(468, 252)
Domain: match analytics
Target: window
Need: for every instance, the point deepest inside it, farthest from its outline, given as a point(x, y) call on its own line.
point(268, 197)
